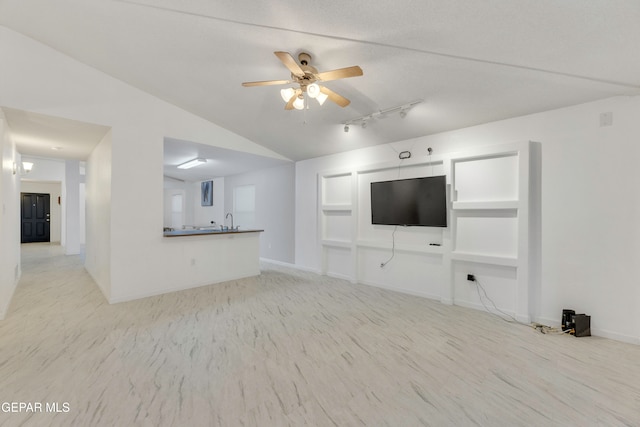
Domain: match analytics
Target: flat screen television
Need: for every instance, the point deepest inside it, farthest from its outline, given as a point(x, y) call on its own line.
point(410, 202)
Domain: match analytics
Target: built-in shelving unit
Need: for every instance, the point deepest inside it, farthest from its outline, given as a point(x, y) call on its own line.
point(491, 193)
point(491, 218)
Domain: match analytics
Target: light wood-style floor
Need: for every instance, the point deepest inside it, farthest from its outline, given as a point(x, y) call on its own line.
point(290, 348)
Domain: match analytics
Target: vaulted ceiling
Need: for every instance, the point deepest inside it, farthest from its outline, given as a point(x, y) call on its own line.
point(470, 62)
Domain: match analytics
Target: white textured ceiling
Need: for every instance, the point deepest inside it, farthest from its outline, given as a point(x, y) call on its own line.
point(472, 62)
point(45, 136)
point(220, 161)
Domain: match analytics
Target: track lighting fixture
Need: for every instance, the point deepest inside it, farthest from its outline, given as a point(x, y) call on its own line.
point(401, 110)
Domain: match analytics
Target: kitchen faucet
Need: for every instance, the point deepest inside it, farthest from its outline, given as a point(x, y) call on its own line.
point(229, 214)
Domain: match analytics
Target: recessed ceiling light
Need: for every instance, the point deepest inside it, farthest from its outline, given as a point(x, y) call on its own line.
point(56, 148)
point(192, 163)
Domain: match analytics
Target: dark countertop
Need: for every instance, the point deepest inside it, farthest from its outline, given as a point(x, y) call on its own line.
point(206, 232)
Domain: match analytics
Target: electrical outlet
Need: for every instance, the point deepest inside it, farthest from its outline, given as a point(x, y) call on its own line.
point(471, 277)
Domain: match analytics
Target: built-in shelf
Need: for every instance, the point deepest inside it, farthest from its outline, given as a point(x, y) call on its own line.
point(336, 243)
point(496, 205)
point(419, 249)
point(337, 208)
point(485, 259)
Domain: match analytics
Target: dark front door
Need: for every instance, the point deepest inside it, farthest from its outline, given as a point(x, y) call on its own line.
point(35, 217)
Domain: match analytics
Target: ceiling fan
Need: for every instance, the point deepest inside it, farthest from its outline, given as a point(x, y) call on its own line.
point(307, 77)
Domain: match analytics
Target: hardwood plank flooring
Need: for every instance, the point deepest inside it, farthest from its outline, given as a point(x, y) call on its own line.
point(290, 348)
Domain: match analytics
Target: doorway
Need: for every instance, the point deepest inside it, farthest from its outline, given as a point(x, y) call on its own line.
point(35, 217)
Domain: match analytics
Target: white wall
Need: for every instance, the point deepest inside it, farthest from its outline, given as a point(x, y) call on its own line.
point(590, 205)
point(203, 215)
point(139, 261)
point(98, 215)
point(54, 190)
point(9, 218)
point(275, 190)
point(71, 207)
point(44, 170)
point(194, 213)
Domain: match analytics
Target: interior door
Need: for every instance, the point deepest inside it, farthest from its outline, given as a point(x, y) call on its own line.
point(36, 217)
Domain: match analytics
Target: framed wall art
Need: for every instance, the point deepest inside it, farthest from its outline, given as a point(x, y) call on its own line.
point(206, 190)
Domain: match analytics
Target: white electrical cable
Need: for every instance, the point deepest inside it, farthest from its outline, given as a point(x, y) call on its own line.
point(393, 248)
point(510, 319)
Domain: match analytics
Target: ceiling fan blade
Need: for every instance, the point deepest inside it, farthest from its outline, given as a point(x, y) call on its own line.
point(341, 73)
point(266, 83)
point(338, 99)
point(290, 63)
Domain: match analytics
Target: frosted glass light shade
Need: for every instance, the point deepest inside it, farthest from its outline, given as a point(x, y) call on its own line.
point(313, 90)
point(298, 104)
point(321, 98)
point(27, 166)
point(287, 93)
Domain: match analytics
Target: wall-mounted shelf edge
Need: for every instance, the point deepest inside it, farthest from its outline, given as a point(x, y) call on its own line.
point(418, 249)
point(507, 204)
point(337, 208)
point(336, 243)
point(485, 259)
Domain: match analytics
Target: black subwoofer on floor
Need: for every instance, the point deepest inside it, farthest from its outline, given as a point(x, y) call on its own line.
point(582, 325)
point(567, 319)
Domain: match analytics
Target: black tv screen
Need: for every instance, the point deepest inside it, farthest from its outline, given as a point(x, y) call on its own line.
point(410, 202)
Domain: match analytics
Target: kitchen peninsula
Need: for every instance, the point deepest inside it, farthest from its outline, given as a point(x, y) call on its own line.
point(206, 231)
point(204, 256)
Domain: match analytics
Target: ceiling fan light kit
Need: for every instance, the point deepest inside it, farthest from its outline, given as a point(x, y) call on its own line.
point(313, 90)
point(306, 76)
point(287, 93)
point(298, 104)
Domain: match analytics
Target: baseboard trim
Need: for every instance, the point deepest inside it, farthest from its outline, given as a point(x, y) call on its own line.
point(340, 276)
point(480, 307)
point(401, 290)
point(289, 265)
point(280, 263)
point(132, 297)
point(4, 310)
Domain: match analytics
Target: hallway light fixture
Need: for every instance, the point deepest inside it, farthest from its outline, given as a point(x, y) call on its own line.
point(27, 166)
point(192, 163)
